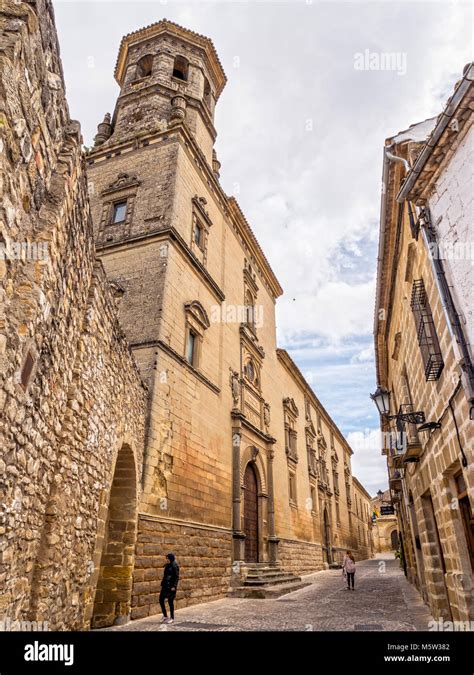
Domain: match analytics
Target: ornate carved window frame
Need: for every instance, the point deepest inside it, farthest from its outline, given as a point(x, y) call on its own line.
point(197, 322)
point(201, 219)
point(123, 189)
point(310, 433)
point(290, 415)
point(250, 290)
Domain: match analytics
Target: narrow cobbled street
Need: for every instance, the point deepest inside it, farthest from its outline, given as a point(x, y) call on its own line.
point(383, 600)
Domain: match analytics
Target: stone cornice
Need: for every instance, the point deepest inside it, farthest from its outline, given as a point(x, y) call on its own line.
point(237, 414)
point(360, 487)
point(229, 206)
point(249, 240)
point(165, 26)
point(179, 358)
point(165, 234)
point(439, 147)
point(286, 360)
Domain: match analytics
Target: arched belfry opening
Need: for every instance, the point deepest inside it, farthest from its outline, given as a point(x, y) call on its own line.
point(145, 66)
point(180, 68)
point(113, 594)
point(207, 93)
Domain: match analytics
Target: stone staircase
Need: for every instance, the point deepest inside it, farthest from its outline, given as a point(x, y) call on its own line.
point(264, 580)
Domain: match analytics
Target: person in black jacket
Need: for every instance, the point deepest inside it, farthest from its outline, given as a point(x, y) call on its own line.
point(169, 587)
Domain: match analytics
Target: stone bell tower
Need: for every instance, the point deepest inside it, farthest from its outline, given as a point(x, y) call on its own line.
point(166, 74)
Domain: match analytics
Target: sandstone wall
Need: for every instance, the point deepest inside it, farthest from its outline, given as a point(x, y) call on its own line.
point(436, 548)
point(451, 205)
point(70, 394)
point(204, 556)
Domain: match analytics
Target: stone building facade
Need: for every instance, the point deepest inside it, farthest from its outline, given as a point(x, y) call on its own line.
point(362, 521)
point(424, 353)
point(146, 408)
point(242, 463)
point(72, 403)
point(385, 525)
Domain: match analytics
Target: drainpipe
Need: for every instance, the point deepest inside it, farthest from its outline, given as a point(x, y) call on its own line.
point(452, 316)
point(388, 156)
point(395, 158)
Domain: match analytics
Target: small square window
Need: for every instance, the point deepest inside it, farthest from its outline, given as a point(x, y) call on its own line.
point(119, 212)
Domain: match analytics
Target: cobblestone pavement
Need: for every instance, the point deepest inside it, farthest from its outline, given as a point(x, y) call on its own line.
point(383, 600)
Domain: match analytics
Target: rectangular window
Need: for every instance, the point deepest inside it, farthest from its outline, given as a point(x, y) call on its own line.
point(198, 235)
point(313, 499)
point(426, 332)
point(192, 343)
point(119, 212)
point(292, 486)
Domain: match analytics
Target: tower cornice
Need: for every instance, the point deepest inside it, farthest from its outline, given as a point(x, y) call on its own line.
point(165, 26)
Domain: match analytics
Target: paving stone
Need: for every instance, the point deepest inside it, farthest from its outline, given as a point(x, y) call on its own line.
point(382, 601)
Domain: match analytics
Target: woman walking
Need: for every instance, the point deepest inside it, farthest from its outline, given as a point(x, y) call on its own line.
point(349, 568)
point(169, 586)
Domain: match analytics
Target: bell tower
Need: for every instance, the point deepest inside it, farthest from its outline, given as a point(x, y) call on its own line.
point(167, 75)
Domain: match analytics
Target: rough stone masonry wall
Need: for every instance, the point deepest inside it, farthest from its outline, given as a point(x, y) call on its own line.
point(59, 435)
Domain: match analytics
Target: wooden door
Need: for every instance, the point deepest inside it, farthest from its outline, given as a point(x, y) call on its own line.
point(251, 514)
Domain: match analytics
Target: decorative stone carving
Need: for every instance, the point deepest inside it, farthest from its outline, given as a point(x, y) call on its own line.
point(266, 416)
point(122, 182)
point(235, 387)
point(178, 109)
point(104, 130)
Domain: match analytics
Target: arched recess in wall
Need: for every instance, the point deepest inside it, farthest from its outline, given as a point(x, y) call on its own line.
point(394, 540)
point(113, 595)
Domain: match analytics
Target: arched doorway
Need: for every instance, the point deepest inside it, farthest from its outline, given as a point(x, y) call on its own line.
point(394, 540)
point(251, 514)
point(326, 537)
point(113, 594)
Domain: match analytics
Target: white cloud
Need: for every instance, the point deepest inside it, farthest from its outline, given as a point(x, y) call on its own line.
point(368, 465)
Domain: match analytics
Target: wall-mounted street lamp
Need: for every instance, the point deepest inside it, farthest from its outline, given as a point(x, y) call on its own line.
point(381, 398)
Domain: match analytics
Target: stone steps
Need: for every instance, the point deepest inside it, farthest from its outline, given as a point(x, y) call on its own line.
point(265, 580)
point(266, 591)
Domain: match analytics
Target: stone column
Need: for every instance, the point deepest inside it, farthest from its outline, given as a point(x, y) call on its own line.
point(272, 538)
point(237, 533)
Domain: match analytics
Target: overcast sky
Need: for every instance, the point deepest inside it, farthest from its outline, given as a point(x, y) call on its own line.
point(300, 135)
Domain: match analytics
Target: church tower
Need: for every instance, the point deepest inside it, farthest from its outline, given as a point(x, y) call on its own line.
point(170, 79)
point(196, 300)
point(166, 74)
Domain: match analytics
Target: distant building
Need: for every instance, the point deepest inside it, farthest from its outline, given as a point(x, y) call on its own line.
point(361, 519)
point(385, 524)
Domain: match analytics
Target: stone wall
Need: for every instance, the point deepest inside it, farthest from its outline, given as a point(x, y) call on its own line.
point(70, 394)
point(426, 490)
point(451, 205)
point(204, 556)
point(300, 557)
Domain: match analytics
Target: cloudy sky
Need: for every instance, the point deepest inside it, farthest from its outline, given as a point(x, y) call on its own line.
point(301, 129)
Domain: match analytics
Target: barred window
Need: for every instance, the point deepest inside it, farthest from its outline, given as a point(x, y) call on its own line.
point(426, 333)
